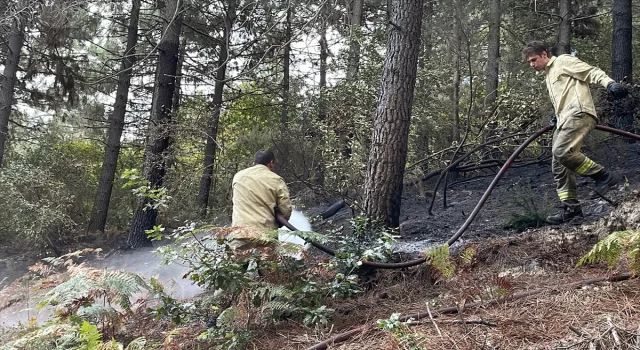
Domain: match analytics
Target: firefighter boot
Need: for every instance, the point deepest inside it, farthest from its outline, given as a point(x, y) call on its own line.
point(565, 215)
point(605, 181)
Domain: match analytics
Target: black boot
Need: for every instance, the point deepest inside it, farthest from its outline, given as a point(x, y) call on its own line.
point(605, 181)
point(565, 215)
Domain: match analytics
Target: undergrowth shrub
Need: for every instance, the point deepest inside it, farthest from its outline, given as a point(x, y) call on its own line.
point(90, 307)
point(34, 206)
point(264, 285)
point(621, 246)
point(527, 208)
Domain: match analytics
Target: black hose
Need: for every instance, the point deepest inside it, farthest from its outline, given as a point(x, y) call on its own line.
point(475, 211)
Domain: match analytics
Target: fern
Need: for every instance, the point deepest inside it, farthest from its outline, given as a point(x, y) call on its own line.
point(137, 344)
point(467, 255)
point(89, 335)
point(613, 248)
point(65, 294)
point(439, 258)
point(227, 317)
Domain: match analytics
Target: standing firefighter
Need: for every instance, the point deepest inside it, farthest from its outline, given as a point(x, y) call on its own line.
point(568, 80)
point(257, 193)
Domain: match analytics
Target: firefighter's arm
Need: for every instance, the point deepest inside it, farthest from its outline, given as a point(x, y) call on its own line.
point(580, 70)
point(284, 202)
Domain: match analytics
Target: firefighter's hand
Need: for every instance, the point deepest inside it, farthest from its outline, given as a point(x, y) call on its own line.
point(617, 90)
point(553, 121)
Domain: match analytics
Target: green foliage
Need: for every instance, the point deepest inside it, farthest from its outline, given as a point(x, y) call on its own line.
point(34, 205)
point(97, 296)
point(439, 259)
point(61, 335)
point(401, 332)
point(616, 247)
point(527, 208)
point(273, 286)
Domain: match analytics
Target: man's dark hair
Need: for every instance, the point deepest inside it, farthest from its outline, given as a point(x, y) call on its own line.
point(264, 157)
point(535, 48)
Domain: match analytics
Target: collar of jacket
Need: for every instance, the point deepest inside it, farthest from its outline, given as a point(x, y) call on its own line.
point(548, 66)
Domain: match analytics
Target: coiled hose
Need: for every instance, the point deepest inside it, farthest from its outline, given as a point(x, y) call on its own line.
point(475, 211)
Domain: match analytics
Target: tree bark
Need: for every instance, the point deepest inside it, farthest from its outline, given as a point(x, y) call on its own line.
point(212, 136)
point(8, 78)
point(145, 216)
point(564, 28)
point(354, 14)
point(286, 61)
point(621, 53)
point(322, 103)
point(388, 154)
point(116, 125)
point(493, 53)
point(455, 93)
point(422, 129)
point(622, 61)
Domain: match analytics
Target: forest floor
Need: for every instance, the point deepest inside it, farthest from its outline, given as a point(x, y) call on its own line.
point(506, 262)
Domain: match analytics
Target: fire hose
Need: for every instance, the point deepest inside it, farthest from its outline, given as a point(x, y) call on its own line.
point(281, 219)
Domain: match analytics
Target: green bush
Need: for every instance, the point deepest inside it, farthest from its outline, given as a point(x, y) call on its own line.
point(34, 206)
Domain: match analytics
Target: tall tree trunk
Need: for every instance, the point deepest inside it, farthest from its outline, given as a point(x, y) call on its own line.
point(116, 125)
point(354, 14)
point(212, 137)
point(493, 53)
point(322, 100)
point(422, 128)
point(564, 28)
point(177, 101)
point(622, 61)
point(144, 218)
point(286, 61)
point(621, 53)
point(8, 78)
point(388, 154)
point(455, 82)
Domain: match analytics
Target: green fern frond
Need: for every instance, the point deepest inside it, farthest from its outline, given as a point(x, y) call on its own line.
point(277, 306)
point(271, 290)
point(76, 288)
point(98, 313)
point(610, 249)
point(89, 335)
point(227, 317)
point(467, 255)
point(439, 258)
point(137, 344)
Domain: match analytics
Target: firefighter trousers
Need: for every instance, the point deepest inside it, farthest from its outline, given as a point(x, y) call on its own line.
point(568, 161)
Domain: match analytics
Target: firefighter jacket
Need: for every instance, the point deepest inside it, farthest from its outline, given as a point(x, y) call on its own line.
point(257, 191)
point(568, 80)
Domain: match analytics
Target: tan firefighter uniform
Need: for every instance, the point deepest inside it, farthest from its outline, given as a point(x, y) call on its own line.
point(568, 80)
point(257, 191)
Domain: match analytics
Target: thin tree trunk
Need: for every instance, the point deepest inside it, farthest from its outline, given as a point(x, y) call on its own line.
point(286, 61)
point(564, 28)
point(212, 137)
point(455, 93)
point(422, 128)
point(492, 72)
point(144, 218)
point(354, 12)
point(493, 53)
point(388, 154)
point(8, 78)
point(116, 125)
point(322, 103)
